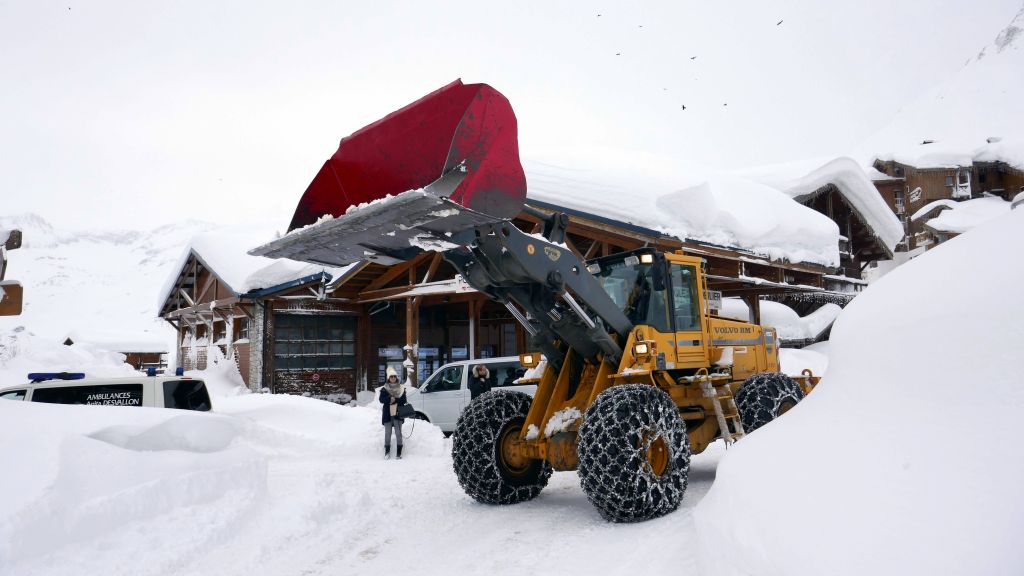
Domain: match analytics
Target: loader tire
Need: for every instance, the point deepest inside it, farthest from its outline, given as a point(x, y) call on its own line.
point(482, 470)
point(634, 453)
point(765, 397)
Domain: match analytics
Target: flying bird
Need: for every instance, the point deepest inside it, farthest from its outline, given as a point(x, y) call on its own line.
point(683, 107)
point(693, 57)
point(779, 22)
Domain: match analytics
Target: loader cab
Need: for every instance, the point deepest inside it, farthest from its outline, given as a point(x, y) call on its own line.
point(663, 292)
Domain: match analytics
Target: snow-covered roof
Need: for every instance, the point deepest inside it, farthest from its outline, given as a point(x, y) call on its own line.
point(877, 175)
point(668, 197)
point(224, 252)
point(923, 211)
point(801, 179)
point(118, 341)
point(962, 216)
point(957, 152)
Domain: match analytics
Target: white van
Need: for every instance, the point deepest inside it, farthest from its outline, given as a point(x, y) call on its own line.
point(179, 392)
point(443, 396)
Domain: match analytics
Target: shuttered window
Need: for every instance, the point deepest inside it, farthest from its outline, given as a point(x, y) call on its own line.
point(307, 342)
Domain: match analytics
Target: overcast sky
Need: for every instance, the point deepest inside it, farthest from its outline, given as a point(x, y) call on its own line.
point(130, 114)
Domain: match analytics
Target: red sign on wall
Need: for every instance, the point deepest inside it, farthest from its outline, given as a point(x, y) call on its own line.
point(316, 376)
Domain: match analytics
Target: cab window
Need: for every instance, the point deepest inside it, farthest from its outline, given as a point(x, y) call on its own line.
point(684, 298)
point(13, 395)
point(186, 395)
point(448, 379)
point(639, 289)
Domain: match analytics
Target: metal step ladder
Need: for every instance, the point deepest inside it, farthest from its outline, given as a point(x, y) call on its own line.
point(725, 411)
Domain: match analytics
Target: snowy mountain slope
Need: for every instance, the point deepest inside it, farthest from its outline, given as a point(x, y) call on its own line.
point(981, 100)
point(93, 282)
point(905, 458)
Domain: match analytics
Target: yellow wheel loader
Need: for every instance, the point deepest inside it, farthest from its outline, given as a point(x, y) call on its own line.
point(633, 372)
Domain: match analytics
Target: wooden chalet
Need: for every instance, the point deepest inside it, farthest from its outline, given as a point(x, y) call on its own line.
point(907, 188)
point(331, 335)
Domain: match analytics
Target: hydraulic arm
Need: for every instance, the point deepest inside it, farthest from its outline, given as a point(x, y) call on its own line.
point(565, 307)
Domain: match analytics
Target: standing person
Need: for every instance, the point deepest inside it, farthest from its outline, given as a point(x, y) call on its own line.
point(392, 395)
point(479, 381)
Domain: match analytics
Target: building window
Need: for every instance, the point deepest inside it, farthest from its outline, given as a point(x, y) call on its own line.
point(949, 181)
point(308, 342)
point(898, 201)
point(219, 331)
point(243, 328)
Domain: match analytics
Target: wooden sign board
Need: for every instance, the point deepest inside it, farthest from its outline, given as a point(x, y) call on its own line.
point(11, 295)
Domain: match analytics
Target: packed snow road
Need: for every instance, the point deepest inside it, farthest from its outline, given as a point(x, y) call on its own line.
point(285, 485)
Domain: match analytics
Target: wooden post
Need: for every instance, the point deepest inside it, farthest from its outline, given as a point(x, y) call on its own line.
point(365, 359)
point(412, 334)
point(753, 302)
point(472, 329)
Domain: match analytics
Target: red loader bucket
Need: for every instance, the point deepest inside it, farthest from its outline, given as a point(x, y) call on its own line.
point(411, 180)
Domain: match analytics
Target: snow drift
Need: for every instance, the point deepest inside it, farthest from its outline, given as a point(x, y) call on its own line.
point(904, 460)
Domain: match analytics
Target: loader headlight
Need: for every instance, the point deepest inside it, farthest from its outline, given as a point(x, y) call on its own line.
point(641, 349)
point(528, 360)
point(647, 258)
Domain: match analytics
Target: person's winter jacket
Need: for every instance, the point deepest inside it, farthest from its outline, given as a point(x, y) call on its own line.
point(478, 385)
point(385, 400)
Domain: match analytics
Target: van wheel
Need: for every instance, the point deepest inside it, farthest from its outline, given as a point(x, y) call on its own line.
point(486, 471)
point(765, 397)
point(634, 453)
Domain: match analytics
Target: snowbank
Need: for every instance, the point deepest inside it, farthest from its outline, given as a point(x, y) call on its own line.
point(96, 484)
point(794, 361)
point(904, 459)
point(684, 202)
point(117, 341)
point(785, 320)
point(22, 352)
point(801, 179)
